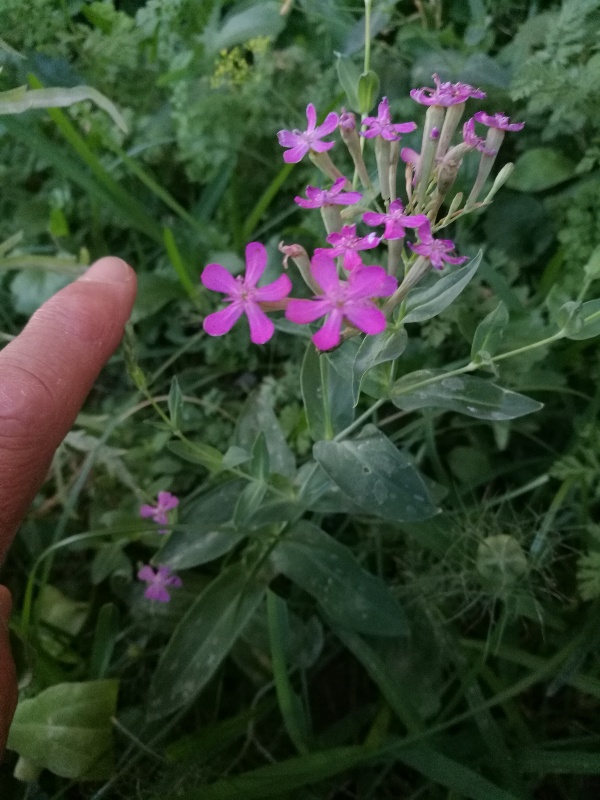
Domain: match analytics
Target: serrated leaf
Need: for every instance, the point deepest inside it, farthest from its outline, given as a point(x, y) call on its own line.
point(425, 303)
point(465, 394)
point(375, 475)
point(327, 569)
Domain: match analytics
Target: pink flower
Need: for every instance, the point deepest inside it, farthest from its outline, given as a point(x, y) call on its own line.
point(445, 94)
point(300, 142)
point(334, 196)
point(474, 141)
point(436, 250)
point(158, 582)
point(395, 220)
point(381, 125)
point(346, 243)
point(500, 121)
point(347, 120)
point(244, 296)
point(341, 300)
point(166, 502)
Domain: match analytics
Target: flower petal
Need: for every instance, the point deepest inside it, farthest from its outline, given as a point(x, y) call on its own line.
point(321, 147)
point(157, 592)
point(222, 322)
point(256, 261)
point(288, 138)
point(311, 117)
point(366, 317)
point(346, 198)
point(147, 511)
point(261, 327)
point(304, 311)
point(324, 271)
point(296, 154)
point(373, 218)
point(276, 290)
point(167, 501)
point(216, 278)
point(368, 282)
point(329, 335)
point(146, 573)
point(328, 125)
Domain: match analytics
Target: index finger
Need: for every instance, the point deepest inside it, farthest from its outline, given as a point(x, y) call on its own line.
point(47, 372)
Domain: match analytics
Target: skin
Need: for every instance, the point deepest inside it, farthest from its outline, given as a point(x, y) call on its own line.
point(45, 375)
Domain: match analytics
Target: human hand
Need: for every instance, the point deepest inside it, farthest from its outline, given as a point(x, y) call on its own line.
point(45, 376)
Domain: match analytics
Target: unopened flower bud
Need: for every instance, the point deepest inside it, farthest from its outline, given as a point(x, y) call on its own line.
point(300, 258)
point(501, 178)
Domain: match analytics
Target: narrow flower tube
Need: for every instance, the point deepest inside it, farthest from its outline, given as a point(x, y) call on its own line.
point(352, 140)
point(324, 162)
point(393, 168)
point(382, 156)
point(451, 121)
point(433, 119)
point(300, 258)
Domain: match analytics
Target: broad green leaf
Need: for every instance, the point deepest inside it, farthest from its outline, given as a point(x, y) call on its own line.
point(488, 334)
point(375, 475)
point(349, 75)
point(585, 323)
point(328, 571)
point(319, 493)
point(68, 729)
point(202, 640)
point(205, 534)
point(59, 611)
point(374, 350)
point(261, 19)
point(15, 101)
point(198, 453)
point(258, 417)
point(328, 410)
point(539, 169)
point(465, 394)
point(428, 302)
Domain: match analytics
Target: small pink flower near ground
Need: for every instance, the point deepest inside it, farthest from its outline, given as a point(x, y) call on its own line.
point(244, 296)
point(159, 582)
point(350, 300)
point(300, 142)
point(165, 502)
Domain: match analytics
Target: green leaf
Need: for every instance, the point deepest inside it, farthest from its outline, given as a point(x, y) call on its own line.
point(198, 453)
point(328, 410)
point(585, 322)
point(249, 502)
point(328, 571)
point(260, 463)
point(258, 417)
point(154, 292)
point(349, 76)
point(539, 169)
point(205, 535)
point(368, 91)
point(465, 394)
point(374, 350)
point(202, 640)
point(428, 302)
point(68, 729)
point(60, 612)
point(261, 19)
point(488, 335)
point(32, 288)
point(374, 474)
point(592, 268)
point(175, 403)
point(105, 639)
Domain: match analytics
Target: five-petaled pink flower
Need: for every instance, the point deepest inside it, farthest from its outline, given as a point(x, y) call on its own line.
point(471, 138)
point(346, 243)
point(445, 94)
point(165, 502)
point(351, 299)
point(300, 142)
point(159, 582)
point(395, 220)
point(244, 296)
point(500, 121)
point(328, 197)
point(381, 125)
point(436, 250)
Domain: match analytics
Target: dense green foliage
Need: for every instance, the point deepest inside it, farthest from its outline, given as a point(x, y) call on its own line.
point(394, 653)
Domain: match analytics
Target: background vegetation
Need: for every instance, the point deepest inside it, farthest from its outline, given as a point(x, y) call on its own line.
point(496, 692)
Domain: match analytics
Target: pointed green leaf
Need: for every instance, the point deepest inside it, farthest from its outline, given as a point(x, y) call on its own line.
point(374, 350)
point(374, 474)
point(202, 640)
point(428, 302)
point(328, 410)
point(584, 322)
point(488, 335)
point(328, 571)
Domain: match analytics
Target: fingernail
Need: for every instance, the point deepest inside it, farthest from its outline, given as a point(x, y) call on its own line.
point(108, 270)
